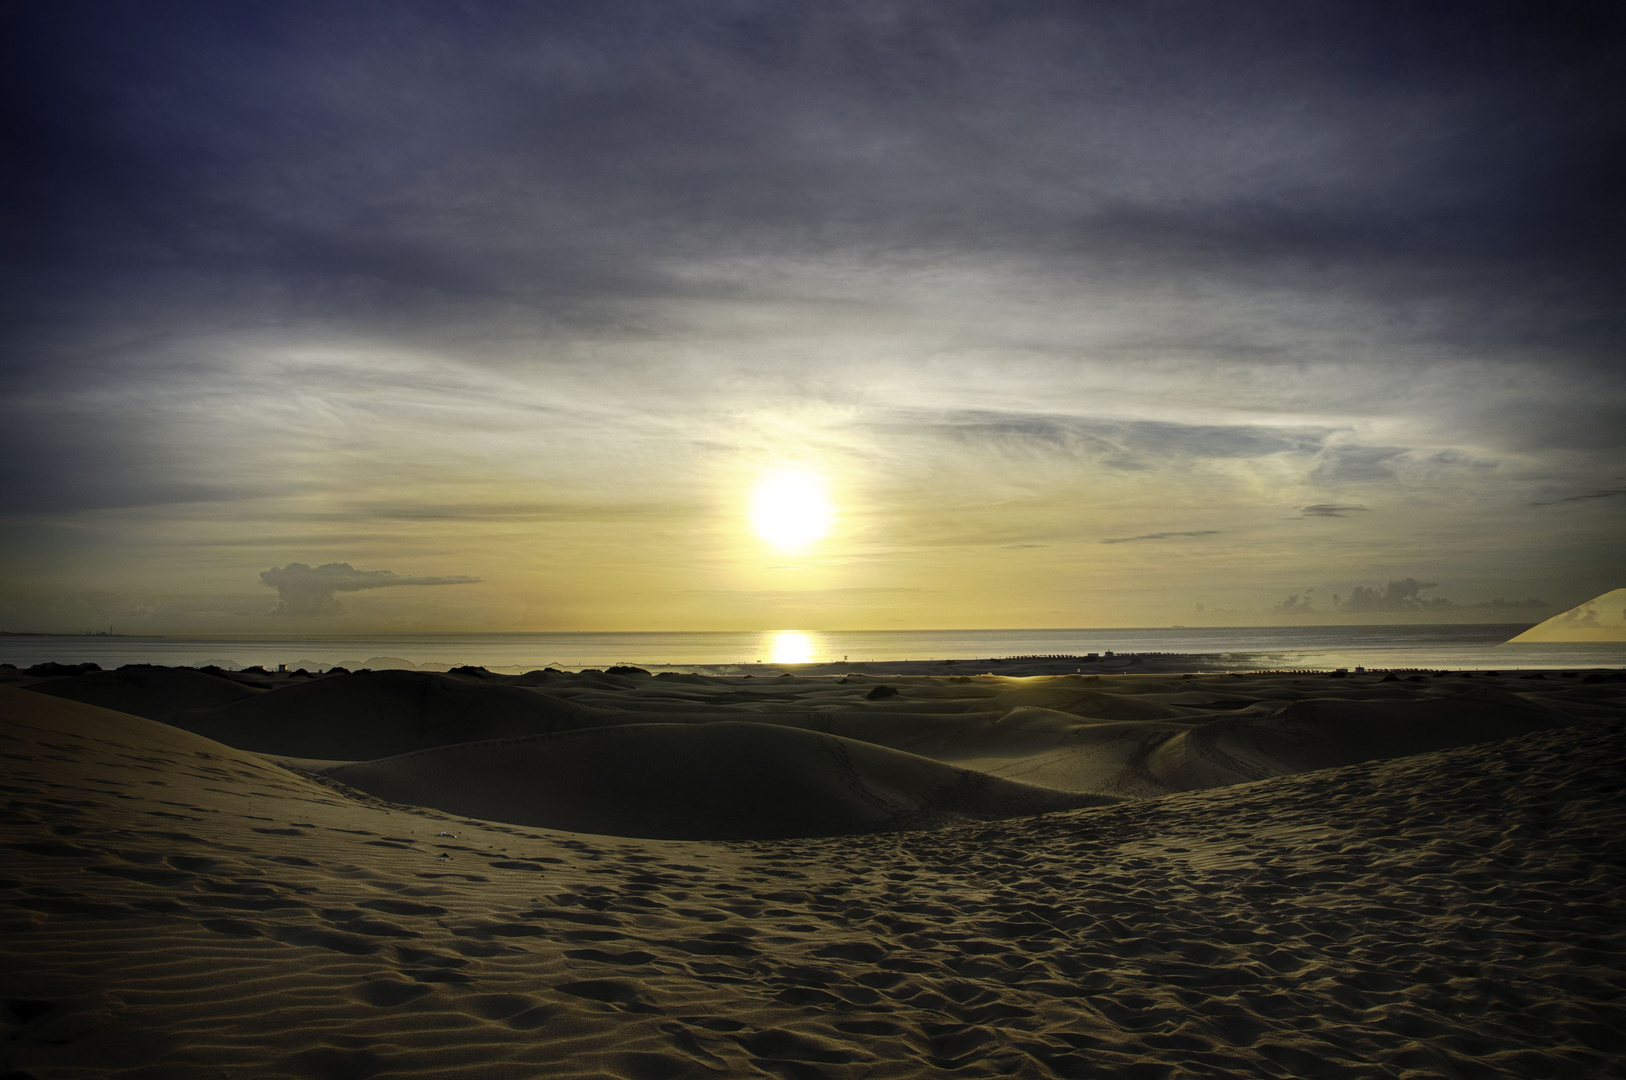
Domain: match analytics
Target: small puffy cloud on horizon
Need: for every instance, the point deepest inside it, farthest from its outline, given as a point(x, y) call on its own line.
point(1405, 595)
point(306, 590)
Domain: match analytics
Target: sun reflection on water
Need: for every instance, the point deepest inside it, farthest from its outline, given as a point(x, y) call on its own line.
point(790, 647)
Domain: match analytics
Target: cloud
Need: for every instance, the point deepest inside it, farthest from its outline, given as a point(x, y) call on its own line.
point(1406, 595)
point(1296, 604)
point(1121, 444)
point(306, 590)
point(1160, 536)
point(595, 510)
point(1581, 498)
point(1328, 510)
point(1349, 464)
point(1402, 595)
point(1529, 603)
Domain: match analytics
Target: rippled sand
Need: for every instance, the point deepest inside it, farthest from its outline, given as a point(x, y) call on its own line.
point(173, 906)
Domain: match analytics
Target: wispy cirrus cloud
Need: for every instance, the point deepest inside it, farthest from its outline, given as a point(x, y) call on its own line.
point(1330, 510)
point(1118, 443)
point(1611, 493)
point(1161, 536)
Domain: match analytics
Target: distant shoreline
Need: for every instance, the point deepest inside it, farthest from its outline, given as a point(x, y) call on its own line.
point(85, 633)
point(1184, 665)
point(1394, 647)
point(413, 635)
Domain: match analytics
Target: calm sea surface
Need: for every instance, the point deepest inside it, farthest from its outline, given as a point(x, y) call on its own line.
point(1459, 646)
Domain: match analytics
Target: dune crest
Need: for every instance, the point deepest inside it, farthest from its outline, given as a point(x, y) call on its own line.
point(379, 714)
point(1601, 619)
point(726, 780)
point(1309, 735)
point(629, 753)
point(156, 693)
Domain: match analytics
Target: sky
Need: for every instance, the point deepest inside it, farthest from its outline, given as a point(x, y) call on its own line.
point(680, 315)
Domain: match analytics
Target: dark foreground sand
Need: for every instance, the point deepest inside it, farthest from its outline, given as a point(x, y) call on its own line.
point(176, 907)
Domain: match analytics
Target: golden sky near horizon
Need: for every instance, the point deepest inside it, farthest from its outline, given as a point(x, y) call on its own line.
point(819, 518)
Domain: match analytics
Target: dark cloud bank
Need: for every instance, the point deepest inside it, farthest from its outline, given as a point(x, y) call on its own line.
point(518, 166)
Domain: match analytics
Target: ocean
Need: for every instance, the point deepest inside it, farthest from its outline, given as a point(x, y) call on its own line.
point(1472, 647)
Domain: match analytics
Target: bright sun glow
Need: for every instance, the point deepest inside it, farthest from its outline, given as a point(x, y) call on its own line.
point(790, 508)
point(791, 647)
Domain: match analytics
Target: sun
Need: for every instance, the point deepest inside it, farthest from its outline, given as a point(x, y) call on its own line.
point(790, 508)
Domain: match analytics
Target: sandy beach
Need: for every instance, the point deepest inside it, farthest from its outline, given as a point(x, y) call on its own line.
point(874, 874)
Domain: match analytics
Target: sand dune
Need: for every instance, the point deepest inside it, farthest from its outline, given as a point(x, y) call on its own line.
point(1150, 758)
point(1037, 746)
point(1057, 695)
point(1307, 735)
point(1601, 619)
point(146, 690)
point(719, 781)
point(1126, 736)
point(379, 714)
point(1153, 758)
point(172, 907)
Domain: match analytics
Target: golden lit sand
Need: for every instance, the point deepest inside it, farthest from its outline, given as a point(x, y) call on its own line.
point(1601, 619)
